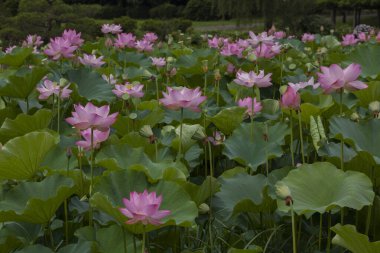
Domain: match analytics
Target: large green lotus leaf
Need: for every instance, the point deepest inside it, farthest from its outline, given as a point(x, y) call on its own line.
point(228, 119)
point(241, 193)
point(133, 72)
point(188, 132)
point(267, 141)
point(35, 202)
point(255, 249)
point(156, 113)
point(81, 246)
point(16, 234)
point(321, 187)
point(372, 93)
point(122, 156)
point(364, 136)
point(91, 85)
point(20, 158)
point(347, 237)
point(111, 189)
point(38, 248)
point(23, 82)
point(17, 57)
point(368, 56)
point(24, 124)
point(200, 193)
point(109, 239)
point(133, 59)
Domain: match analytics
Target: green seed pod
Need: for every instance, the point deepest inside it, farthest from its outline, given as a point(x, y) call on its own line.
point(314, 132)
point(321, 129)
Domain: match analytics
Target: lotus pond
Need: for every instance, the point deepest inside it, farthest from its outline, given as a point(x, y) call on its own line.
point(265, 143)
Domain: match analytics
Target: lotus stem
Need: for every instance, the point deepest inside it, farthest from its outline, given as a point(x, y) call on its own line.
point(180, 137)
point(217, 92)
point(156, 150)
point(320, 232)
point(210, 211)
point(143, 242)
point(205, 84)
point(52, 113)
point(92, 177)
point(27, 105)
point(65, 206)
point(293, 229)
point(328, 232)
point(80, 170)
point(157, 94)
point(252, 110)
point(301, 136)
point(368, 220)
point(58, 112)
point(291, 137)
point(124, 240)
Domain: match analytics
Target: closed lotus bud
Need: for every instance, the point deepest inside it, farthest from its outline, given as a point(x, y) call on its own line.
point(63, 82)
point(205, 66)
point(355, 116)
point(283, 192)
point(170, 59)
point(374, 106)
point(173, 72)
point(146, 131)
point(69, 152)
point(217, 75)
point(108, 42)
point(203, 208)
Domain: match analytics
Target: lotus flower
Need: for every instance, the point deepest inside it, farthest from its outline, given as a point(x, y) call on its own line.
point(334, 78)
point(151, 37)
point(214, 42)
point(247, 102)
point(349, 40)
point(303, 85)
point(363, 37)
point(144, 46)
point(217, 138)
point(291, 99)
point(49, 88)
point(73, 37)
point(91, 60)
point(280, 35)
point(98, 137)
point(109, 79)
point(267, 51)
point(158, 61)
point(182, 97)
point(307, 37)
point(144, 207)
point(33, 41)
point(114, 29)
point(250, 79)
point(125, 40)
point(60, 47)
point(232, 49)
point(9, 49)
point(133, 90)
point(261, 38)
point(91, 116)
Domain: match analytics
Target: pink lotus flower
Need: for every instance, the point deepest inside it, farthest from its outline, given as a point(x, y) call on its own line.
point(158, 61)
point(232, 49)
point(182, 97)
point(73, 37)
point(114, 29)
point(9, 49)
point(98, 137)
point(247, 102)
point(91, 60)
point(130, 89)
point(60, 47)
point(231, 68)
point(144, 46)
point(151, 37)
point(250, 79)
point(217, 138)
point(33, 41)
point(109, 79)
point(91, 116)
point(267, 51)
point(307, 37)
point(290, 99)
point(303, 85)
point(363, 37)
point(349, 40)
point(378, 37)
point(280, 35)
point(49, 88)
point(334, 78)
point(261, 38)
point(214, 42)
point(144, 207)
point(125, 40)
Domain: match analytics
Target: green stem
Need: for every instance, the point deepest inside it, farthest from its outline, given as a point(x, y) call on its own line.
point(291, 137)
point(92, 176)
point(217, 92)
point(27, 105)
point(157, 94)
point(368, 220)
point(125, 240)
point(50, 236)
point(143, 242)
point(320, 233)
point(180, 137)
point(156, 150)
point(293, 230)
point(252, 112)
point(58, 112)
point(301, 136)
point(66, 208)
point(205, 84)
point(210, 212)
point(81, 172)
point(328, 232)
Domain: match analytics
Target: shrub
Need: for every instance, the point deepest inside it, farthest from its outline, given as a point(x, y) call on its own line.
point(165, 10)
point(87, 10)
point(110, 12)
point(31, 23)
point(128, 24)
point(199, 10)
point(33, 6)
point(11, 36)
point(165, 27)
point(313, 23)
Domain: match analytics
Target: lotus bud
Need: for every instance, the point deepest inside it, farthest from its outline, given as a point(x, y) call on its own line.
point(173, 72)
point(217, 75)
point(203, 208)
point(309, 66)
point(322, 28)
point(251, 57)
point(374, 106)
point(355, 116)
point(283, 89)
point(170, 39)
point(69, 153)
point(146, 131)
point(63, 82)
point(205, 66)
point(170, 59)
point(283, 192)
point(108, 42)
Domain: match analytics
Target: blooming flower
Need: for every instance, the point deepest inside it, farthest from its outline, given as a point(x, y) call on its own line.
point(73, 37)
point(247, 102)
point(92, 116)
point(280, 35)
point(307, 37)
point(9, 49)
point(290, 99)
point(98, 137)
point(33, 40)
point(109, 79)
point(91, 60)
point(231, 49)
point(267, 51)
point(303, 85)
point(151, 37)
point(214, 42)
point(60, 47)
point(144, 45)
point(158, 61)
point(49, 88)
point(334, 78)
point(144, 207)
point(114, 29)
point(217, 138)
point(363, 37)
point(182, 97)
point(261, 38)
point(349, 40)
point(251, 78)
point(130, 89)
point(125, 40)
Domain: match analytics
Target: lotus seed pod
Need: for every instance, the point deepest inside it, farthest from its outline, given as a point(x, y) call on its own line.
point(205, 66)
point(314, 132)
point(321, 129)
point(203, 208)
point(374, 106)
point(63, 82)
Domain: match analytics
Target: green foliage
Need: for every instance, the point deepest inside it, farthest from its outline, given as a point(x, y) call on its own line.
point(128, 24)
point(199, 10)
point(164, 11)
point(164, 27)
